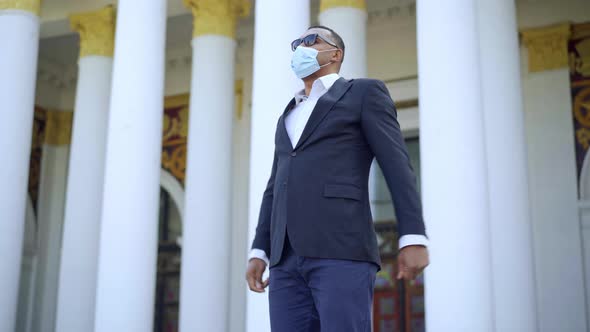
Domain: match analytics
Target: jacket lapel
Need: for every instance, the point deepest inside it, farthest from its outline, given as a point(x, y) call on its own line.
point(323, 107)
point(283, 135)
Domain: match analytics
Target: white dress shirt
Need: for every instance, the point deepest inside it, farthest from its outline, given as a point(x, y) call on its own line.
point(295, 123)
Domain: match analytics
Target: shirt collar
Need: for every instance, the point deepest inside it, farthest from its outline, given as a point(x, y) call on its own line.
point(319, 87)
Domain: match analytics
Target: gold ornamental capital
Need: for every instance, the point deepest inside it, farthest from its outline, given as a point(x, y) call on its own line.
point(97, 31)
point(547, 46)
point(329, 4)
point(217, 17)
point(33, 6)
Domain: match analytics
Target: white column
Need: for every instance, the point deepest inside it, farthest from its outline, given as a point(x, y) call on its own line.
point(79, 252)
point(349, 19)
point(277, 23)
point(19, 38)
point(240, 166)
point(52, 189)
point(206, 234)
point(129, 222)
point(552, 177)
point(459, 293)
point(510, 228)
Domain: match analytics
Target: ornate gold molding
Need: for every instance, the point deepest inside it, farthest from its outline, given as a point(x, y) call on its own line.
point(174, 135)
point(547, 46)
point(580, 31)
point(176, 100)
point(58, 127)
point(217, 17)
point(97, 31)
point(33, 6)
point(328, 4)
point(580, 63)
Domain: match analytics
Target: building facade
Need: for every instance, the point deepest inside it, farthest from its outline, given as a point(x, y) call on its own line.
point(138, 139)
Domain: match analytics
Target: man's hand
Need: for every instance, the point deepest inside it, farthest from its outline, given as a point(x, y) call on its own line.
point(254, 274)
point(411, 262)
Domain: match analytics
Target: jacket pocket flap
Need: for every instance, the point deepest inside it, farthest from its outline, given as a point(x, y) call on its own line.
point(342, 191)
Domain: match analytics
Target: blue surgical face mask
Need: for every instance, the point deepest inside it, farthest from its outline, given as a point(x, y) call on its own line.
point(305, 61)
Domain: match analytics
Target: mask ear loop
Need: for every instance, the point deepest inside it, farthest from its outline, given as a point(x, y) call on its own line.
point(334, 49)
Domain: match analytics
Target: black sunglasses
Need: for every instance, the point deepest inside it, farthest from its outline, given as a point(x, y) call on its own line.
point(309, 40)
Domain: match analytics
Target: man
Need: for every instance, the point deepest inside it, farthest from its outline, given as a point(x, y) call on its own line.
point(315, 229)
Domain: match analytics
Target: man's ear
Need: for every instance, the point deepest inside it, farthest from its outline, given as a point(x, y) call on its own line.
point(338, 58)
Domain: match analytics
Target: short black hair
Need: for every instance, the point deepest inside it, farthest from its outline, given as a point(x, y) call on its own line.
point(335, 37)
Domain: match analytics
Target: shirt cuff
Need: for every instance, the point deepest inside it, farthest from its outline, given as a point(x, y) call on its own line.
point(260, 254)
point(413, 240)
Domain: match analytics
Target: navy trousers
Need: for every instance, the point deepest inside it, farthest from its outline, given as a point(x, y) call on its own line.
point(316, 294)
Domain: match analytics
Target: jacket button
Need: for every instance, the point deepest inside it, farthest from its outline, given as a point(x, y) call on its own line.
point(293, 154)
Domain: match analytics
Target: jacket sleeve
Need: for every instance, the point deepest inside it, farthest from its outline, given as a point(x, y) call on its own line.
point(262, 237)
point(383, 134)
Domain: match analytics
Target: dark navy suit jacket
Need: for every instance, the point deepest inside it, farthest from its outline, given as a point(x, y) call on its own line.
point(318, 190)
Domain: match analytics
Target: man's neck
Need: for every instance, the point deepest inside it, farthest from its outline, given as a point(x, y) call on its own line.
point(309, 80)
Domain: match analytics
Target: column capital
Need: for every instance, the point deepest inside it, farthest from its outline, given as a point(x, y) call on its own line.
point(217, 17)
point(33, 6)
point(58, 127)
point(97, 31)
point(329, 4)
point(547, 46)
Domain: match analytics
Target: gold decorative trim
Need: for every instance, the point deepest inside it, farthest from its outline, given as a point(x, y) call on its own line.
point(33, 6)
point(583, 137)
point(173, 158)
point(329, 4)
point(217, 17)
point(580, 31)
point(581, 105)
point(97, 31)
point(547, 46)
point(581, 63)
point(580, 58)
point(174, 135)
point(176, 100)
point(58, 127)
